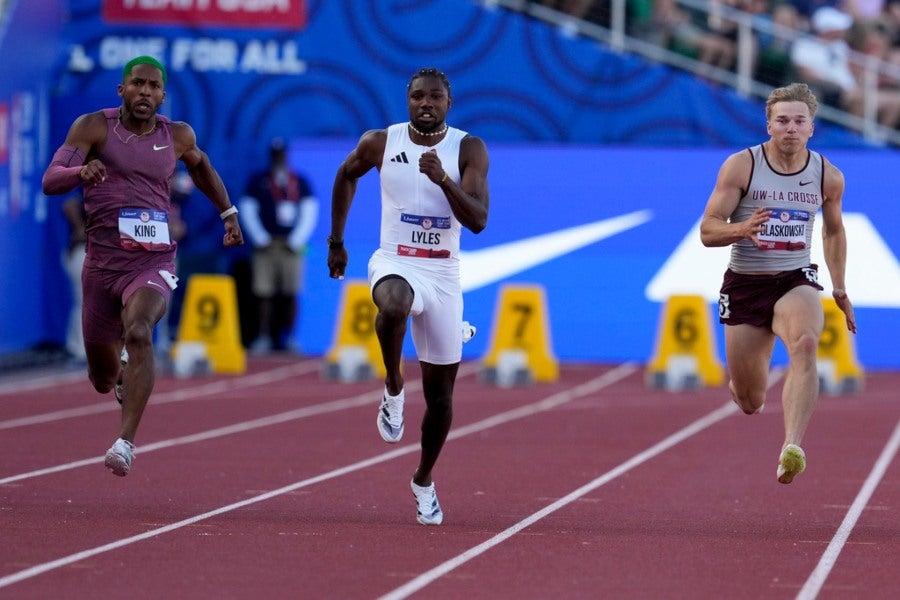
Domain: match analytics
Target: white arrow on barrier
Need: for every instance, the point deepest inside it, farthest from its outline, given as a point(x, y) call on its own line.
point(872, 277)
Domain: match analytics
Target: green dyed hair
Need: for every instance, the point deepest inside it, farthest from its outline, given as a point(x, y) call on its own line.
point(143, 60)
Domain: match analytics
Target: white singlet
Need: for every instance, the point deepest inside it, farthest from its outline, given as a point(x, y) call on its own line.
point(794, 198)
point(420, 242)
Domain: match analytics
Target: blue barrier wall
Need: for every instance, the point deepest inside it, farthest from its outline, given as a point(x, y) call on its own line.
point(605, 295)
point(578, 134)
point(30, 45)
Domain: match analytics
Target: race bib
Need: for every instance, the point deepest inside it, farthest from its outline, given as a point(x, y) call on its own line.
point(785, 230)
point(144, 228)
point(424, 237)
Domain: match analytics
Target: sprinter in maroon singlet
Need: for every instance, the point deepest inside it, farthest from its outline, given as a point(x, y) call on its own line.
point(764, 205)
point(124, 157)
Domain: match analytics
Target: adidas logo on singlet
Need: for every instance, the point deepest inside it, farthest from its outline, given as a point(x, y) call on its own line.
point(401, 158)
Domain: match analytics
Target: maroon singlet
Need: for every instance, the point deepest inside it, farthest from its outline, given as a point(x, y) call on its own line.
point(138, 170)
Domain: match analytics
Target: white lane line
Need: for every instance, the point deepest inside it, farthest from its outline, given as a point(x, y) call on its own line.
point(419, 582)
point(243, 426)
point(416, 584)
point(816, 580)
point(31, 383)
point(186, 393)
point(608, 378)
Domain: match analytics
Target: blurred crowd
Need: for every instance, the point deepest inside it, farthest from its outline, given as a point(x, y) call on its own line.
point(824, 43)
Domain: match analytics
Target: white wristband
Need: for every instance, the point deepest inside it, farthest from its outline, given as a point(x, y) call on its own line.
point(232, 210)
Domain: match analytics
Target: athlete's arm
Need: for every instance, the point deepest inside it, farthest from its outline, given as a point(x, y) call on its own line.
point(67, 169)
point(367, 154)
point(199, 167)
point(470, 200)
point(715, 227)
point(834, 240)
point(206, 178)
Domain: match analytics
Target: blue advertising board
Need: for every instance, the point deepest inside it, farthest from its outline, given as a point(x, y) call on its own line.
point(601, 162)
point(611, 233)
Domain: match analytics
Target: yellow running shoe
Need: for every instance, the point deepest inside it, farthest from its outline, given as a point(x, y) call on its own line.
point(792, 462)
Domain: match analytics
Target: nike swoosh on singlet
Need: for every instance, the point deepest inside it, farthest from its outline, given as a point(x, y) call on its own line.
point(155, 147)
point(156, 284)
point(805, 182)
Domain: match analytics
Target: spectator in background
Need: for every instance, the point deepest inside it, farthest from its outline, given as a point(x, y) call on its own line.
point(777, 27)
point(73, 263)
point(873, 38)
point(865, 11)
point(824, 63)
point(890, 18)
point(575, 10)
point(807, 8)
point(279, 215)
point(890, 21)
point(693, 34)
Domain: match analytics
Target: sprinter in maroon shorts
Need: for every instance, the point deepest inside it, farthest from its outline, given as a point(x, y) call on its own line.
point(764, 205)
point(124, 157)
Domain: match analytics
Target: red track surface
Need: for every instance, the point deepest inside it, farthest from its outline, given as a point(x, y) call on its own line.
point(276, 484)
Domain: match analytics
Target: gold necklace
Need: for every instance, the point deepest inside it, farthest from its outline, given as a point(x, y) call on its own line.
point(131, 135)
point(423, 134)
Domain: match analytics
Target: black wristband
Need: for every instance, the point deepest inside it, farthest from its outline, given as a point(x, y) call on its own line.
point(334, 244)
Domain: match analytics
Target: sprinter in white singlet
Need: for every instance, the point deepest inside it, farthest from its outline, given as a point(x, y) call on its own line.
point(764, 205)
point(433, 183)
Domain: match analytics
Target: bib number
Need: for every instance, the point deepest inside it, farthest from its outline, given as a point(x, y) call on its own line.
point(144, 228)
point(424, 237)
point(785, 230)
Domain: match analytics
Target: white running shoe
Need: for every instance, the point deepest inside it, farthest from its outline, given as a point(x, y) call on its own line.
point(791, 463)
point(428, 511)
point(390, 417)
point(119, 457)
point(469, 331)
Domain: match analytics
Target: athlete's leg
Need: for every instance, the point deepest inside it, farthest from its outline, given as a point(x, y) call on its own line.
point(437, 383)
point(103, 364)
point(393, 297)
point(101, 322)
point(798, 322)
point(139, 317)
point(748, 350)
